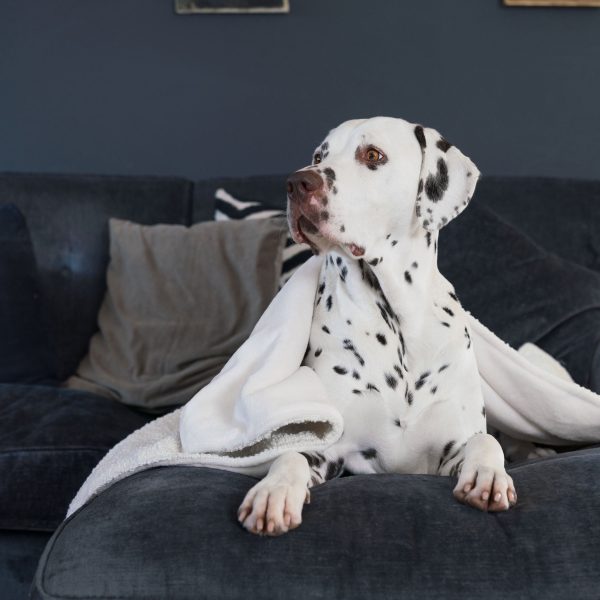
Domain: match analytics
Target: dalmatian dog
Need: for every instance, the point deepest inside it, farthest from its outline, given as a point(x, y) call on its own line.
point(389, 338)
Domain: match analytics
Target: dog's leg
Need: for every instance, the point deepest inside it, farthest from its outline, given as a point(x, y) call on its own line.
point(274, 505)
point(482, 481)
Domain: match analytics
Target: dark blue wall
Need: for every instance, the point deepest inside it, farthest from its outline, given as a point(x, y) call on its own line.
point(127, 86)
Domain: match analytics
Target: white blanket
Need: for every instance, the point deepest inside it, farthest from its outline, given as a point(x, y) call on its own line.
point(264, 403)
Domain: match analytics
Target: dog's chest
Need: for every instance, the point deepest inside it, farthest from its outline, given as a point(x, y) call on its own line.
point(358, 350)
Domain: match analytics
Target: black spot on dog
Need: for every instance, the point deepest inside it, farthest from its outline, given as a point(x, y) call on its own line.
point(407, 277)
point(338, 261)
point(325, 329)
point(428, 238)
point(334, 468)
point(384, 314)
point(329, 302)
point(334, 189)
point(397, 423)
point(399, 371)
point(324, 215)
point(420, 188)
point(415, 265)
point(437, 184)
point(468, 337)
point(420, 135)
point(446, 309)
point(447, 449)
point(368, 275)
point(343, 273)
point(374, 262)
point(422, 379)
point(443, 144)
point(453, 296)
point(340, 370)
point(394, 242)
point(355, 375)
point(325, 146)
point(372, 387)
point(425, 222)
point(381, 339)
point(322, 288)
point(342, 229)
point(388, 236)
point(443, 367)
point(314, 459)
point(409, 397)
point(401, 337)
point(445, 324)
point(391, 381)
point(357, 392)
point(349, 321)
point(330, 175)
point(433, 389)
point(483, 410)
point(318, 352)
point(369, 453)
point(348, 345)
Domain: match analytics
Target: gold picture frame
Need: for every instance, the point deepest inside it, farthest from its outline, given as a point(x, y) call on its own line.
point(188, 7)
point(563, 3)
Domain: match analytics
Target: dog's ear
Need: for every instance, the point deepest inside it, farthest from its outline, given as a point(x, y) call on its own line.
point(447, 180)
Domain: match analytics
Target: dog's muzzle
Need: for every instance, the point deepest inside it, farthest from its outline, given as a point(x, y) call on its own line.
point(307, 202)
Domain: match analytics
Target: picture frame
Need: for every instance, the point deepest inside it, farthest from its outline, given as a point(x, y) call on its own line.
point(556, 3)
point(186, 7)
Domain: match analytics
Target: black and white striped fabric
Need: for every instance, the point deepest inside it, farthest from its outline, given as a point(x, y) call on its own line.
point(227, 207)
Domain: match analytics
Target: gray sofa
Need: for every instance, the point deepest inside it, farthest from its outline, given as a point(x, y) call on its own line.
point(172, 532)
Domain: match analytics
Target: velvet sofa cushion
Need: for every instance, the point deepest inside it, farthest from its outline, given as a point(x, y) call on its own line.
point(50, 440)
point(173, 533)
point(522, 292)
point(24, 346)
point(20, 553)
point(180, 301)
point(561, 215)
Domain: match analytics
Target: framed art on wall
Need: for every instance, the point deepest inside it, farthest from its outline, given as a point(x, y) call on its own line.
point(565, 3)
point(185, 7)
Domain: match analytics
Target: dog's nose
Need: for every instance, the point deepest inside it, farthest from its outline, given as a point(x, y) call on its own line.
point(302, 183)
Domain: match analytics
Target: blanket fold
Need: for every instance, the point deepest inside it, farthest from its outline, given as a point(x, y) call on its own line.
point(264, 402)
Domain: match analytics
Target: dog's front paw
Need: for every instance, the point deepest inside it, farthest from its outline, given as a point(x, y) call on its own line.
point(486, 488)
point(273, 506)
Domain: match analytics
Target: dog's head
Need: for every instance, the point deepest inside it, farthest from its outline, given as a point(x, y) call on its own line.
point(371, 178)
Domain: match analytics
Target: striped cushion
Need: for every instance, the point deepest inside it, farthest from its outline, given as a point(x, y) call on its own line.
point(228, 207)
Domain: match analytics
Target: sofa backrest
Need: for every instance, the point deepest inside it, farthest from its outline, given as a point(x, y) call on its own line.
point(67, 218)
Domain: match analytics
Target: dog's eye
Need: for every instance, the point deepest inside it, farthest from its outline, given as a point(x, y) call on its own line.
point(373, 155)
point(317, 158)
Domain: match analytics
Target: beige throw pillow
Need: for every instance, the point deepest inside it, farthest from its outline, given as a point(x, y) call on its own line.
point(179, 302)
